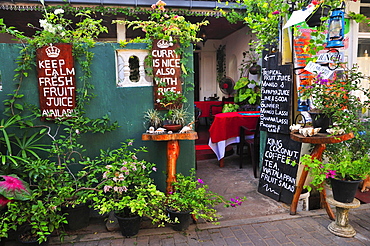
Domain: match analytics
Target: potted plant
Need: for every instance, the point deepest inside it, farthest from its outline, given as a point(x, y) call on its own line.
point(177, 116)
point(153, 117)
point(341, 168)
point(337, 98)
point(249, 63)
point(123, 186)
point(192, 197)
point(40, 215)
point(247, 92)
point(172, 100)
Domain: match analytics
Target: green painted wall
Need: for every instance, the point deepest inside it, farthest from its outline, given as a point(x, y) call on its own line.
point(124, 105)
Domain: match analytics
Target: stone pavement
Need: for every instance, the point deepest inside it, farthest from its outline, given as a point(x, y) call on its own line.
point(305, 228)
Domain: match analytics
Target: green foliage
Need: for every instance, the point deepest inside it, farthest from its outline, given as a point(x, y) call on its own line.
point(52, 184)
point(178, 116)
point(340, 166)
point(229, 107)
point(173, 28)
point(122, 183)
point(153, 117)
point(42, 211)
point(171, 99)
point(191, 194)
point(336, 97)
point(247, 91)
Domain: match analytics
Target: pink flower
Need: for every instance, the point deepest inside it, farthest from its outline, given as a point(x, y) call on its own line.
point(154, 169)
point(12, 183)
point(107, 188)
point(276, 12)
point(331, 174)
point(14, 188)
point(200, 181)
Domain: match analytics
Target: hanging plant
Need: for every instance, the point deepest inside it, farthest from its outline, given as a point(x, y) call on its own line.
point(221, 62)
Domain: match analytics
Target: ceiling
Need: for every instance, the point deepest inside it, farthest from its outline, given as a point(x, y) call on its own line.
point(218, 28)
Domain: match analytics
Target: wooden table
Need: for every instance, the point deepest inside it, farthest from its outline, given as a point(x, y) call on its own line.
point(225, 130)
point(320, 140)
point(173, 150)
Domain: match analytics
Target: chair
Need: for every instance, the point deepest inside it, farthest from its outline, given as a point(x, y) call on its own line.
point(253, 145)
point(216, 109)
point(197, 113)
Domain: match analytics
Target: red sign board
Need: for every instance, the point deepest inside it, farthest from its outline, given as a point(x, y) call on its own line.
point(166, 70)
point(56, 81)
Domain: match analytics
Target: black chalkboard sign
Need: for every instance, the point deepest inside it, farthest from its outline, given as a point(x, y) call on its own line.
point(276, 89)
point(278, 179)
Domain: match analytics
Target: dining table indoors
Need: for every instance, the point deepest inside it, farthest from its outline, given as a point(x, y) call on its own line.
point(225, 130)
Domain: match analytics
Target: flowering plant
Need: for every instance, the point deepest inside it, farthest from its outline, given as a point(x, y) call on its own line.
point(124, 186)
point(191, 194)
point(343, 166)
point(162, 25)
point(338, 96)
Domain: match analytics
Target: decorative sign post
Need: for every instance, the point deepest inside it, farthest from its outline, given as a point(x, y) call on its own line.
point(278, 176)
point(56, 81)
point(166, 70)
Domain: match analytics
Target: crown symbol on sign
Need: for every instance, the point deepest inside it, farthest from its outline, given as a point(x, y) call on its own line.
point(52, 51)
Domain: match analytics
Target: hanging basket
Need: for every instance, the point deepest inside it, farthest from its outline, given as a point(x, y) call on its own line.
point(314, 19)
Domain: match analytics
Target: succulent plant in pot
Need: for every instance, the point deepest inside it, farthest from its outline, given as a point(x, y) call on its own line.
point(179, 116)
point(153, 117)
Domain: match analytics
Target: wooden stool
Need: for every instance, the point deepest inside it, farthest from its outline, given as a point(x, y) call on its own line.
point(340, 226)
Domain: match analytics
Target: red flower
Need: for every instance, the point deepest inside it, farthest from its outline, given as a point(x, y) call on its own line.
point(3, 201)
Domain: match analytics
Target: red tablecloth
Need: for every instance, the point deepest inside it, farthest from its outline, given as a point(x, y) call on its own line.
point(205, 106)
point(227, 125)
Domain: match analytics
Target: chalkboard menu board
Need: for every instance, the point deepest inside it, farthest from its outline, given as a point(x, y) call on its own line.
point(278, 178)
point(276, 89)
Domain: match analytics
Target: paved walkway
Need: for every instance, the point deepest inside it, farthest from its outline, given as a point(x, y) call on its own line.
point(305, 228)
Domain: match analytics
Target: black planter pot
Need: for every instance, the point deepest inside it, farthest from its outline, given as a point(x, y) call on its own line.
point(184, 219)
point(78, 217)
point(343, 190)
point(129, 225)
point(315, 18)
point(321, 120)
point(24, 237)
